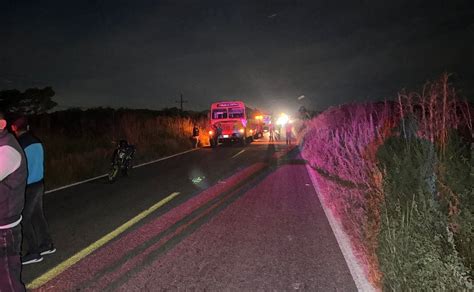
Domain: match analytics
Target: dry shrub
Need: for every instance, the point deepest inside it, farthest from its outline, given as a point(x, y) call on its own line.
point(437, 110)
point(341, 144)
point(433, 115)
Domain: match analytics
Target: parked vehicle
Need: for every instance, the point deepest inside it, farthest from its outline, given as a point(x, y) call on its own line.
point(230, 123)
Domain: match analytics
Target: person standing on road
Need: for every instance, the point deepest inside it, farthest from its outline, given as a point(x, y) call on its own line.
point(35, 228)
point(288, 128)
point(13, 173)
point(271, 133)
point(217, 132)
point(195, 136)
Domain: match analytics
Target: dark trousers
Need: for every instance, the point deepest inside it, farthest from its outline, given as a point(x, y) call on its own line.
point(195, 141)
point(10, 263)
point(35, 228)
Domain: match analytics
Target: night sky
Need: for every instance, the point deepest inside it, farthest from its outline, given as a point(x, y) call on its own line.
point(143, 54)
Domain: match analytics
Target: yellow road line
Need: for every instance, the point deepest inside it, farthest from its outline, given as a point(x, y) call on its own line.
point(240, 152)
point(54, 272)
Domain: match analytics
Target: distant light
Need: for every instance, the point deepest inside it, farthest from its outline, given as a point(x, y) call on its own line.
point(259, 117)
point(241, 131)
point(211, 132)
point(282, 119)
point(301, 97)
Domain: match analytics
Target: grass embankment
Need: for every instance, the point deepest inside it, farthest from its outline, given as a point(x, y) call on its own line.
point(79, 144)
point(398, 176)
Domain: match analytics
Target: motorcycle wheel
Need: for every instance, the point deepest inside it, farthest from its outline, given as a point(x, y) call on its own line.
point(113, 173)
point(127, 168)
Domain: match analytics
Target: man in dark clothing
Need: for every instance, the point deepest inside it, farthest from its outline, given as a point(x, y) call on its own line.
point(128, 150)
point(217, 132)
point(13, 172)
point(271, 132)
point(35, 228)
point(195, 136)
point(289, 129)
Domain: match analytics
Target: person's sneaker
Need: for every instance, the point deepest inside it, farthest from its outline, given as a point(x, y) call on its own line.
point(47, 250)
point(31, 258)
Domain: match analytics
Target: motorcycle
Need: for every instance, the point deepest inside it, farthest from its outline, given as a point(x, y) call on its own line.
point(121, 161)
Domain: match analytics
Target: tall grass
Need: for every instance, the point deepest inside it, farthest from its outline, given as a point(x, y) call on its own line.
point(344, 145)
point(416, 246)
point(79, 144)
point(341, 144)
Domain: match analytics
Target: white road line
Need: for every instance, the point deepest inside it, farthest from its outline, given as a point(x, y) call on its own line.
point(164, 158)
point(240, 152)
point(104, 175)
point(357, 272)
point(75, 184)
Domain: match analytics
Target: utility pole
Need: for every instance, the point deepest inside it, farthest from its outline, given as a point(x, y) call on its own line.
point(181, 101)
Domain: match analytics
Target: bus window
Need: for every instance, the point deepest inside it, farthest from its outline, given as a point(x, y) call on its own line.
point(219, 114)
point(236, 113)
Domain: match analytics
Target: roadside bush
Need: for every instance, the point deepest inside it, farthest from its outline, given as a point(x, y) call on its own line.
point(456, 188)
point(416, 247)
point(340, 144)
point(398, 176)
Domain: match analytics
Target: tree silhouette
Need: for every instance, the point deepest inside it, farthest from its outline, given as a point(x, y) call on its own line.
point(32, 101)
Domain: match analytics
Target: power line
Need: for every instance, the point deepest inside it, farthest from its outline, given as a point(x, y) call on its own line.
point(181, 101)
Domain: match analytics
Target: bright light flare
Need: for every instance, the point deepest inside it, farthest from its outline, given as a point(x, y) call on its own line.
point(283, 119)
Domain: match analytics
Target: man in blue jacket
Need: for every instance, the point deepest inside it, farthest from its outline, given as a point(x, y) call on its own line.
point(35, 228)
point(13, 172)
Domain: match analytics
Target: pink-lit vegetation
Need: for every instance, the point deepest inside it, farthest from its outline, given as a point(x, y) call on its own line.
point(342, 143)
point(79, 144)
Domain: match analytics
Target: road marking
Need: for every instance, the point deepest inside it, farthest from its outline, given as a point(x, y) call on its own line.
point(240, 152)
point(104, 175)
point(164, 158)
point(54, 272)
point(355, 268)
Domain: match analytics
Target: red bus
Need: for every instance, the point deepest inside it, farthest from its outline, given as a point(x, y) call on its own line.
point(230, 123)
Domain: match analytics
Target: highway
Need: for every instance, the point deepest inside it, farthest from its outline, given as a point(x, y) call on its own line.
point(230, 218)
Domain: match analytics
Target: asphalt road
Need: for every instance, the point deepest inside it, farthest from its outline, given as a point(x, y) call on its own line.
point(239, 218)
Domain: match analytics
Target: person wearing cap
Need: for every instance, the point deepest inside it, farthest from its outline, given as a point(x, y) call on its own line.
point(35, 228)
point(13, 173)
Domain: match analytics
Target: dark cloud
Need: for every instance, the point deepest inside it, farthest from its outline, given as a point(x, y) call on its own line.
point(145, 53)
